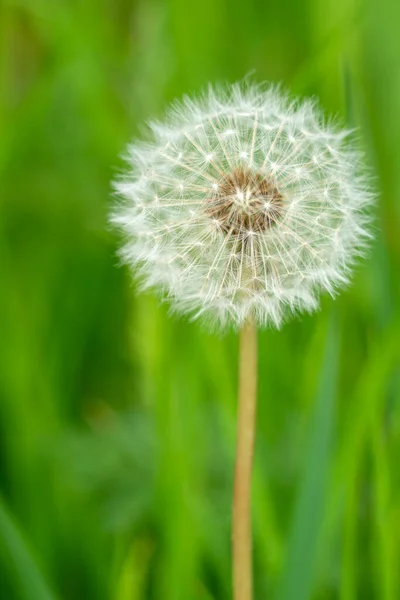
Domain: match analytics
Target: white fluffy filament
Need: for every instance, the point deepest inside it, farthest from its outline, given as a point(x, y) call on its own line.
point(243, 202)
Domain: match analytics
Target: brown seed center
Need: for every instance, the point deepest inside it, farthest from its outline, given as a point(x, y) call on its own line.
point(245, 201)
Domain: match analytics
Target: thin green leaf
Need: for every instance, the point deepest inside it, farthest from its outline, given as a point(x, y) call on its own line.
point(302, 547)
point(15, 554)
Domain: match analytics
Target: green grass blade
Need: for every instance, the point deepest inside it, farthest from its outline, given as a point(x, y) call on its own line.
point(16, 556)
point(302, 546)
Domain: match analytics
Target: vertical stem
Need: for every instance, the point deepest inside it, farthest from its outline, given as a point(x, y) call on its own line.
point(241, 529)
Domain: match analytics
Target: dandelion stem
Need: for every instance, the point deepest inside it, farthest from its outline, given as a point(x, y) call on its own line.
point(241, 530)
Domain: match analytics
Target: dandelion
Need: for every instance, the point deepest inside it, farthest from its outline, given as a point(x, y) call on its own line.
point(244, 203)
point(242, 208)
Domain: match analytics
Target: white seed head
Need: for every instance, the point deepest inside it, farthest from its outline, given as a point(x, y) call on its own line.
point(243, 202)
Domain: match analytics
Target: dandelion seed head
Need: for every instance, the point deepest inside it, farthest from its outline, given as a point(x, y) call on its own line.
point(243, 202)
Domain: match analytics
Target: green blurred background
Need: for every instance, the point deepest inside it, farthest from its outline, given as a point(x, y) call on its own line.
point(118, 421)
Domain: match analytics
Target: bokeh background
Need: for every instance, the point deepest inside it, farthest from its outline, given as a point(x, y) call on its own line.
point(117, 420)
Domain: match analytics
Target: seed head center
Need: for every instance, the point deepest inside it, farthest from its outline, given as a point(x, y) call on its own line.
point(245, 202)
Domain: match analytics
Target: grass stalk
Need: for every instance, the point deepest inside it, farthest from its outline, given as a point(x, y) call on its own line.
point(241, 528)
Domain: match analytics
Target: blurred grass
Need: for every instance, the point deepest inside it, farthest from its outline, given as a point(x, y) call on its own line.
point(17, 556)
point(117, 421)
point(307, 515)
